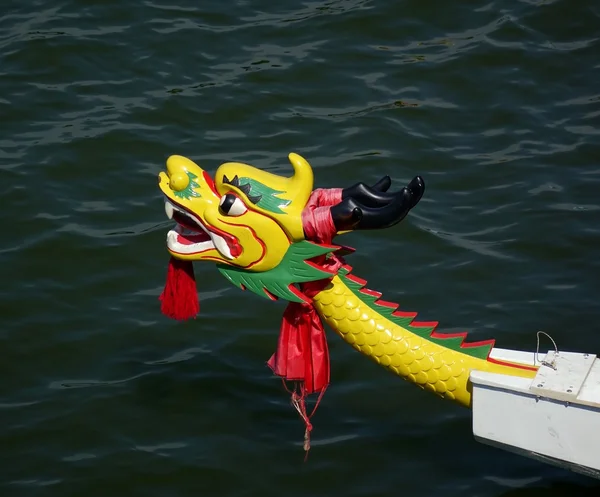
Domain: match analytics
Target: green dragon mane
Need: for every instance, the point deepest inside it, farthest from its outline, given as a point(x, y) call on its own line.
point(279, 282)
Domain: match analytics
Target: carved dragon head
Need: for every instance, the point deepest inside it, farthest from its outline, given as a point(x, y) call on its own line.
point(249, 221)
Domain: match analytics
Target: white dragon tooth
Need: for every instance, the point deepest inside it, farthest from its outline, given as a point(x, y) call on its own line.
point(169, 209)
point(171, 239)
point(221, 246)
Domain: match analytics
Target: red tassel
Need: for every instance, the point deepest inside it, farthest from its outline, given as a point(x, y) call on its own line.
point(179, 299)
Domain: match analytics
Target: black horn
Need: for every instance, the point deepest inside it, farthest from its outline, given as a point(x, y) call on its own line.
point(371, 196)
point(417, 188)
point(352, 214)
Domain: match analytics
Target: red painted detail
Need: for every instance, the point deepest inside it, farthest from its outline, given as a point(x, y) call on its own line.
point(298, 293)
point(333, 248)
point(404, 314)
point(242, 286)
point(512, 364)
point(433, 324)
point(481, 343)
point(424, 324)
point(384, 303)
point(321, 268)
point(210, 182)
point(270, 295)
point(216, 259)
point(371, 293)
point(194, 253)
point(435, 334)
point(232, 242)
point(346, 250)
point(356, 279)
point(258, 240)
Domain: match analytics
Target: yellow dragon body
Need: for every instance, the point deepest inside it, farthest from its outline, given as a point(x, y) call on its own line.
point(440, 363)
point(253, 225)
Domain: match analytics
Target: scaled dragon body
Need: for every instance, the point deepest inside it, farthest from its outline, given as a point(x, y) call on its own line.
point(255, 226)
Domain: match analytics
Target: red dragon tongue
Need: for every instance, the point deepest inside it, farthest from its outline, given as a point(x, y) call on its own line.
point(179, 299)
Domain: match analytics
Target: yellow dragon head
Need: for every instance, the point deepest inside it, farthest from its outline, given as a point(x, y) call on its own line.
point(250, 222)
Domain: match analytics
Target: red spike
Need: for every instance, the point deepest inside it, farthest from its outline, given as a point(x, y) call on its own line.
point(481, 343)
point(425, 324)
point(334, 248)
point(356, 279)
point(384, 303)
point(321, 268)
point(371, 293)
point(435, 334)
point(270, 295)
point(299, 294)
point(345, 250)
point(404, 314)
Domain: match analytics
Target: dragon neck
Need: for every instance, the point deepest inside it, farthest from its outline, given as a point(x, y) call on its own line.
point(413, 350)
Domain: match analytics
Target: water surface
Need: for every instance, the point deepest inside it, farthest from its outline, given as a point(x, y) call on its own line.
point(496, 104)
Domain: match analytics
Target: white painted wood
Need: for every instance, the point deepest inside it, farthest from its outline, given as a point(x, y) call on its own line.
point(518, 356)
point(508, 414)
point(493, 380)
point(565, 380)
point(590, 392)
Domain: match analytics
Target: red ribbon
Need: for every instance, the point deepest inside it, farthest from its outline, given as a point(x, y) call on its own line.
point(302, 354)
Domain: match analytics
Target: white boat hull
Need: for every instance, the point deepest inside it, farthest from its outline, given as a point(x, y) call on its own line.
point(555, 418)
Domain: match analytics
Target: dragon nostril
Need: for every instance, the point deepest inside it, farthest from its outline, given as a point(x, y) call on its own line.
point(179, 181)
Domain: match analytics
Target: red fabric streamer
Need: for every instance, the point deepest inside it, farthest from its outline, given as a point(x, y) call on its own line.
point(179, 299)
point(302, 354)
point(316, 216)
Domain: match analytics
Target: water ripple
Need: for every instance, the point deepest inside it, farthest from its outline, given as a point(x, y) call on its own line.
point(70, 384)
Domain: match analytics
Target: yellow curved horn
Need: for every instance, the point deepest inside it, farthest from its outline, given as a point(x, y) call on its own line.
point(303, 179)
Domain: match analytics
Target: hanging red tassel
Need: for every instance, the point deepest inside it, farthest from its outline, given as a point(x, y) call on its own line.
point(302, 355)
point(179, 299)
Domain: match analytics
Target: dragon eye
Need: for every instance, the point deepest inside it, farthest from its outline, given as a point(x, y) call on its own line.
point(232, 205)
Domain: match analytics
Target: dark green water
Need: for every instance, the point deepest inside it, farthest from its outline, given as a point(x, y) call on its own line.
point(495, 104)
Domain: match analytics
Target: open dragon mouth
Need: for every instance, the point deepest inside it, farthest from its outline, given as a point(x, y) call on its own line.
point(192, 236)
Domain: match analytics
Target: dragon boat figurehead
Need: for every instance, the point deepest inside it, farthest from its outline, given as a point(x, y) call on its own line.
point(248, 218)
point(272, 235)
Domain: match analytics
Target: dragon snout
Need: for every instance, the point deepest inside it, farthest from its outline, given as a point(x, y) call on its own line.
point(177, 167)
point(179, 181)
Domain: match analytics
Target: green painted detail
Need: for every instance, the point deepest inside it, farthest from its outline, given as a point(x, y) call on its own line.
point(293, 268)
point(454, 343)
point(189, 191)
point(268, 196)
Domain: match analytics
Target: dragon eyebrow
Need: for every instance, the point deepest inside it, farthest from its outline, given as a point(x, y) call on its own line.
point(255, 199)
point(245, 188)
point(235, 181)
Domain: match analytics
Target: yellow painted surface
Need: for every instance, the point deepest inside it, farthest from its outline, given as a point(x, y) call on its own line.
point(422, 362)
